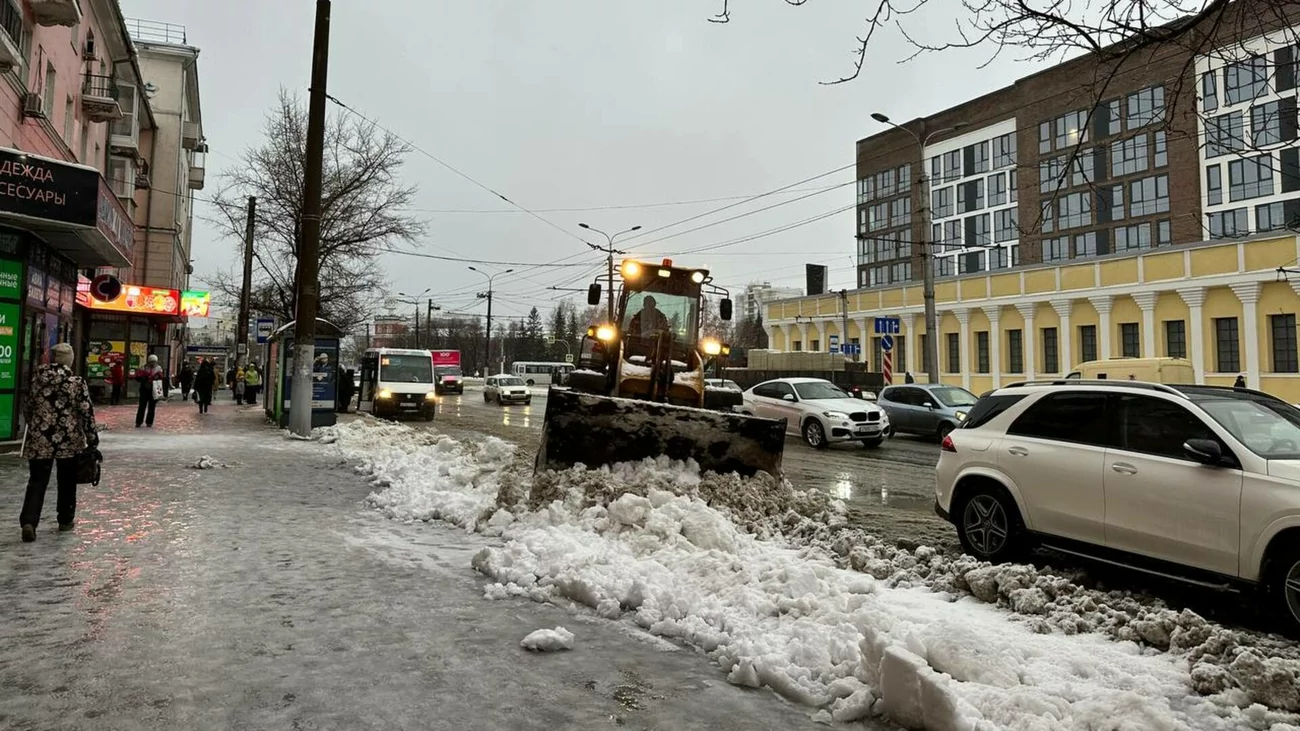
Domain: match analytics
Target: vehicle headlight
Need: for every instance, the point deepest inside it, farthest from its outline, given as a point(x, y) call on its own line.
point(606, 333)
point(385, 393)
point(711, 347)
point(631, 270)
point(697, 277)
point(961, 416)
point(835, 415)
point(431, 396)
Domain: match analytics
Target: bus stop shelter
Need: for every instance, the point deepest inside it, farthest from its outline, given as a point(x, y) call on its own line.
point(279, 359)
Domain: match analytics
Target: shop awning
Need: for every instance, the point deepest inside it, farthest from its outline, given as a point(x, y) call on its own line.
point(70, 206)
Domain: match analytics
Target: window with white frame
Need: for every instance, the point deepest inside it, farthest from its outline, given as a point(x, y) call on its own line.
point(1209, 92)
point(1245, 80)
point(952, 167)
point(1250, 177)
point(977, 230)
point(997, 189)
point(1005, 226)
point(1004, 151)
point(970, 196)
point(1213, 185)
point(1270, 217)
point(941, 202)
point(1227, 224)
point(1224, 134)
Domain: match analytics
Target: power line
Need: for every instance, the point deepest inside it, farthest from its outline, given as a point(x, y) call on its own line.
point(665, 204)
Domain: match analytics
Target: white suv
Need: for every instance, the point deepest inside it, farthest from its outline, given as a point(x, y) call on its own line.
point(1198, 483)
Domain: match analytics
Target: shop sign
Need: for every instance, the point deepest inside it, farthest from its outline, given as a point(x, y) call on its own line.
point(112, 221)
point(10, 318)
point(102, 354)
point(11, 279)
point(135, 300)
point(195, 303)
point(39, 188)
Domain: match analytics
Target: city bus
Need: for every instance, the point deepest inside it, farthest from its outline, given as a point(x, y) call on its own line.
point(396, 382)
point(543, 374)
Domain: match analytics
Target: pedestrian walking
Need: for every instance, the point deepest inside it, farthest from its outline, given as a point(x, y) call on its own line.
point(150, 378)
point(1240, 382)
point(60, 422)
point(346, 389)
point(252, 383)
point(230, 382)
point(116, 382)
point(187, 381)
point(204, 382)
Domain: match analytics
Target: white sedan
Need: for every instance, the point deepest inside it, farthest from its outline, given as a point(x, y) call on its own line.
point(819, 411)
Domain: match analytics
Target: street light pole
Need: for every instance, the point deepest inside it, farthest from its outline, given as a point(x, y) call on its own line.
point(610, 251)
point(931, 350)
point(487, 339)
point(414, 301)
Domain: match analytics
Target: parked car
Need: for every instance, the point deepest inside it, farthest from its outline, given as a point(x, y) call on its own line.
point(1198, 483)
point(506, 389)
point(926, 409)
point(722, 383)
point(819, 411)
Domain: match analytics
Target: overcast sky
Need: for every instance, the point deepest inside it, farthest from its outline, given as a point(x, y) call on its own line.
point(589, 104)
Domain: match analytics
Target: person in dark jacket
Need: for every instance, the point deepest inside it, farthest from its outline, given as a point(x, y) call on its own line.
point(187, 381)
point(60, 425)
point(230, 382)
point(1240, 382)
point(346, 389)
point(204, 381)
point(148, 404)
point(907, 378)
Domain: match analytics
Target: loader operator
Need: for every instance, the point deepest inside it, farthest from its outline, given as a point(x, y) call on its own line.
point(649, 322)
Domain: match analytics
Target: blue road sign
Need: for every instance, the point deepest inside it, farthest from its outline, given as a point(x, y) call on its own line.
point(265, 327)
point(887, 343)
point(888, 326)
point(851, 349)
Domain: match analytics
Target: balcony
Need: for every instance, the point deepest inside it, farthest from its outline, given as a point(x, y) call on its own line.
point(99, 96)
point(11, 33)
point(56, 12)
point(191, 135)
point(197, 175)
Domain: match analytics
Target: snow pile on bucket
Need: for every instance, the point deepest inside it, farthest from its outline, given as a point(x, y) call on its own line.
point(769, 583)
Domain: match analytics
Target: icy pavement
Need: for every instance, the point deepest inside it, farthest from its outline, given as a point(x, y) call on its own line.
point(769, 583)
point(265, 596)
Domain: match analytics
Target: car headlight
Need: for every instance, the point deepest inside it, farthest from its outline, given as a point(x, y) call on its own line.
point(431, 396)
point(711, 347)
point(835, 415)
point(961, 416)
point(606, 333)
point(385, 393)
point(631, 270)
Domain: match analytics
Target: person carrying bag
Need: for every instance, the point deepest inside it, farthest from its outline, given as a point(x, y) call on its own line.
point(151, 392)
point(60, 434)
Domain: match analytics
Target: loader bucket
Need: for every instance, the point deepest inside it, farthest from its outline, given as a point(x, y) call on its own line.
point(602, 430)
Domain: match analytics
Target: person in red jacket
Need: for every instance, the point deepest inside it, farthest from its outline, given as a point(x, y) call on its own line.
point(117, 381)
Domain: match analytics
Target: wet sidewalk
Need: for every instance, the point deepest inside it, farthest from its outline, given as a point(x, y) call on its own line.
point(262, 594)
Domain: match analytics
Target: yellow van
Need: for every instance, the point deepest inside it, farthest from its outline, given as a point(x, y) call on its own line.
point(1152, 370)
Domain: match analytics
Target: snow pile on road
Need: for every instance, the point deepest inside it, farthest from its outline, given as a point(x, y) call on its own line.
point(769, 583)
point(548, 640)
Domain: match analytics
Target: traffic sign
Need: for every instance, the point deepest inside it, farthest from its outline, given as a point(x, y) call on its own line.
point(851, 349)
point(887, 343)
point(888, 326)
point(835, 344)
point(265, 326)
point(568, 357)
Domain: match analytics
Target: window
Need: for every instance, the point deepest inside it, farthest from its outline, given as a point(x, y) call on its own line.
point(1129, 238)
point(1074, 210)
point(1128, 156)
point(970, 196)
point(900, 211)
point(1266, 123)
point(1005, 227)
point(1051, 359)
point(816, 346)
point(798, 346)
point(1044, 138)
point(866, 189)
point(1149, 195)
point(952, 166)
point(1224, 134)
point(1213, 185)
point(941, 203)
point(1004, 257)
point(944, 266)
point(925, 352)
point(1226, 348)
point(1209, 92)
point(997, 188)
point(121, 176)
point(1129, 344)
point(900, 271)
point(878, 216)
point(976, 158)
point(67, 121)
point(1078, 417)
point(1085, 245)
point(904, 175)
point(1110, 204)
point(1051, 173)
point(1057, 249)
point(1285, 356)
point(936, 169)
point(1071, 129)
point(952, 233)
point(1106, 119)
point(1146, 106)
point(982, 351)
point(1015, 351)
point(1081, 168)
point(1227, 224)
point(1164, 233)
point(1250, 178)
point(1269, 217)
point(51, 76)
point(989, 408)
point(1245, 80)
point(954, 353)
point(1087, 343)
point(977, 230)
point(1284, 60)
point(885, 183)
point(1158, 427)
point(1013, 177)
point(1161, 150)
point(971, 262)
point(1004, 151)
point(1175, 339)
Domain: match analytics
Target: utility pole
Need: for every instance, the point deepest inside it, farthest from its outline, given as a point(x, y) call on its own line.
point(308, 289)
point(429, 322)
point(245, 293)
point(610, 251)
point(487, 340)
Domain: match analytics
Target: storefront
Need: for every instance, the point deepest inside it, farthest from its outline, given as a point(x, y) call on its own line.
point(56, 218)
point(127, 329)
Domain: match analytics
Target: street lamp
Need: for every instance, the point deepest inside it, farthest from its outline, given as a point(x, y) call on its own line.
point(413, 300)
point(610, 251)
point(931, 350)
point(487, 340)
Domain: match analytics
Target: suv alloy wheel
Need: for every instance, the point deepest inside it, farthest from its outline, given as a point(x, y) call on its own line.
point(987, 526)
point(814, 433)
point(1286, 583)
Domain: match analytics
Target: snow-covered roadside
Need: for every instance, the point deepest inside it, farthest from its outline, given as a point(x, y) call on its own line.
point(821, 614)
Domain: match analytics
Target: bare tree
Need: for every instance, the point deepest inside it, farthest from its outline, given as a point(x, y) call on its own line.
point(363, 204)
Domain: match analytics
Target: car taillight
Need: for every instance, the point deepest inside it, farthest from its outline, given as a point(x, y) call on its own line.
point(947, 445)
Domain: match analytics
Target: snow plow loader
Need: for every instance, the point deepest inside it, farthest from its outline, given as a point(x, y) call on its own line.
point(639, 388)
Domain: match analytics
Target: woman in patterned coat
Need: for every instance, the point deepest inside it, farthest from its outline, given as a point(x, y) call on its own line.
point(60, 425)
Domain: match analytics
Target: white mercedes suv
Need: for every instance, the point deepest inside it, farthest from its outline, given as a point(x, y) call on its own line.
point(1196, 483)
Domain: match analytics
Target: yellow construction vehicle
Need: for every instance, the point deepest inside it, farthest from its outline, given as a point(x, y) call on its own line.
point(639, 389)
